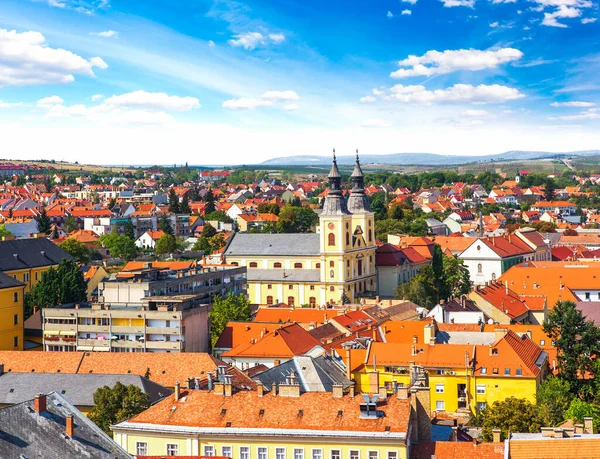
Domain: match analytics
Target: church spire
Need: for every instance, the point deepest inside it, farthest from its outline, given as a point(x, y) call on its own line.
point(334, 204)
point(357, 178)
point(358, 202)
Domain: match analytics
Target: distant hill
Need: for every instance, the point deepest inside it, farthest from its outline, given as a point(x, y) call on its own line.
point(421, 159)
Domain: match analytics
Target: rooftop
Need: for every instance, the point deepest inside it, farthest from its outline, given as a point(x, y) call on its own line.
point(273, 245)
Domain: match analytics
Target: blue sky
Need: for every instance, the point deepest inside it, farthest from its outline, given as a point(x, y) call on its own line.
point(228, 82)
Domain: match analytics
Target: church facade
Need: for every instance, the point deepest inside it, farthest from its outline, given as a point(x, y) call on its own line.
point(319, 268)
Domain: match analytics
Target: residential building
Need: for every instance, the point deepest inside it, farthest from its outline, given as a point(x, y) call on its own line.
point(93, 275)
point(49, 426)
point(556, 207)
point(289, 425)
point(395, 266)
point(237, 333)
point(459, 311)
point(314, 269)
point(78, 389)
point(12, 292)
point(148, 239)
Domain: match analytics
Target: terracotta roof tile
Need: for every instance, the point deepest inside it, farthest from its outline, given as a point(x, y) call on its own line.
point(555, 448)
point(457, 450)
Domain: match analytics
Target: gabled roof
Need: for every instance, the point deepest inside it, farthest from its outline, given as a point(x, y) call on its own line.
point(297, 315)
point(237, 333)
point(273, 245)
point(30, 253)
point(456, 450)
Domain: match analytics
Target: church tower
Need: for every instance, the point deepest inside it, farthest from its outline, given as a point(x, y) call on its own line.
point(334, 221)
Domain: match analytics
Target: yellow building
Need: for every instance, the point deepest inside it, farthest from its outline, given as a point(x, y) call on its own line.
point(11, 313)
point(248, 425)
point(460, 376)
point(314, 269)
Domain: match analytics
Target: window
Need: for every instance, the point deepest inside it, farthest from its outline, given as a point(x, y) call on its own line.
point(354, 454)
point(209, 450)
point(481, 406)
point(290, 301)
point(347, 238)
point(479, 268)
point(269, 300)
point(234, 263)
point(312, 301)
point(480, 388)
point(331, 264)
point(36, 276)
point(269, 287)
point(392, 455)
point(518, 372)
point(373, 454)
point(587, 295)
point(279, 453)
point(172, 449)
point(439, 388)
point(262, 453)
point(277, 265)
point(495, 371)
point(331, 289)
point(253, 264)
point(298, 453)
point(291, 287)
point(507, 371)
point(331, 239)
point(16, 297)
point(493, 276)
point(16, 319)
point(439, 405)
point(312, 287)
point(26, 277)
point(317, 454)
point(298, 265)
point(318, 266)
point(244, 452)
point(141, 448)
point(16, 341)
point(542, 342)
point(226, 451)
point(336, 454)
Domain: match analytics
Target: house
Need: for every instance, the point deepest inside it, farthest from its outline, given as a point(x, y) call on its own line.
point(148, 239)
point(395, 266)
point(12, 293)
point(236, 333)
point(287, 424)
point(93, 275)
point(49, 426)
point(460, 311)
point(557, 207)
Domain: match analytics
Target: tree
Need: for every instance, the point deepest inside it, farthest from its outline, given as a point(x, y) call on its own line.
point(576, 340)
point(578, 409)
point(456, 278)
point(129, 230)
point(61, 285)
point(510, 415)
point(184, 207)
point(217, 241)
point(44, 225)
point(202, 245)
point(77, 250)
point(344, 298)
point(219, 216)
point(113, 405)
point(208, 231)
point(112, 203)
point(553, 399)
point(437, 270)
point(420, 289)
point(119, 246)
point(70, 224)
point(209, 198)
point(544, 227)
point(4, 231)
point(296, 219)
point(232, 307)
point(165, 225)
point(570, 232)
point(173, 201)
point(165, 244)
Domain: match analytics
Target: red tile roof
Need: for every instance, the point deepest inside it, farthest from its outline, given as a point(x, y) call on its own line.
point(457, 450)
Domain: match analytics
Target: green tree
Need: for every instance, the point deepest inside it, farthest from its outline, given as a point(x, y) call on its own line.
point(232, 307)
point(202, 245)
point(209, 198)
point(4, 231)
point(457, 281)
point(510, 415)
point(294, 219)
point(553, 398)
point(578, 409)
point(44, 225)
point(173, 201)
point(61, 285)
point(165, 244)
point(119, 246)
point(577, 342)
point(208, 231)
point(219, 216)
point(77, 250)
point(420, 289)
point(184, 207)
point(217, 241)
point(437, 270)
point(112, 203)
point(129, 230)
point(113, 405)
point(344, 298)
point(70, 224)
point(165, 225)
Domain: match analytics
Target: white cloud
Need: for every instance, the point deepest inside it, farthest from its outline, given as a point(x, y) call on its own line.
point(574, 103)
point(418, 94)
point(26, 59)
point(367, 99)
point(453, 3)
point(153, 101)
point(476, 113)
point(56, 3)
point(494, 24)
point(439, 63)
point(505, 1)
point(211, 44)
point(81, 6)
point(375, 123)
point(50, 101)
point(588, 20)
point(389, 15)
point(412, 2)
point(561, 9)
point(97, 97)
point(563, 12)
point(10, 104)
point(590, 114)
point(275, 99)
point(406, 12)
point(109, 115)
point(251, 40)
point(106, 34)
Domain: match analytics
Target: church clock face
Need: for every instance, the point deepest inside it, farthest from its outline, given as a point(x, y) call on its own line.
point(331, 226)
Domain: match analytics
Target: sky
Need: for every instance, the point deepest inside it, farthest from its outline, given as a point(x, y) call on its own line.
point(215, 82)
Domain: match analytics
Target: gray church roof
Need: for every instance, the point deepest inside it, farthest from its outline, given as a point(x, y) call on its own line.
point(30, 253)
point(274, 245)
point(282, 275)
point(25, 433)
point(314, 374)
point(78, 389)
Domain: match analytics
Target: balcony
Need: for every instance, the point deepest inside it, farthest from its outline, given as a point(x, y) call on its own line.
point(163, 330)
point(128, 329)
point(94, 328)
point(127, 344)
point(60, 327)
point(98, 344)
point(165, 345)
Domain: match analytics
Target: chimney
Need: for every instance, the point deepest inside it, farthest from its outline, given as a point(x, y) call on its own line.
point(413, 350)
point(463, 302)
point(69, 425)
point(39, 403)
point(382, 392)
point(210, 381)
point(558, 433)
point(578, 429)
point(338, 391)
point(374, 331)
point(260, 389)
point(496, 435)
point(228, 386)
point(491, 349)
point(177, 391)
point(588, 425)
point(1, 369)
point(291, 388)
point(348, 364)
point(352, 390)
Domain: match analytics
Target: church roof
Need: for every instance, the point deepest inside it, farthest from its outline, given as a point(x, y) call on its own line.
point(274, 245)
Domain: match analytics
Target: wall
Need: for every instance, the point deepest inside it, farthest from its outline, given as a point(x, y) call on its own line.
point(8, 309)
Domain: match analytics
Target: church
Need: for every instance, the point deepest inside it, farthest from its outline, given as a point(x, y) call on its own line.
point(315, 269)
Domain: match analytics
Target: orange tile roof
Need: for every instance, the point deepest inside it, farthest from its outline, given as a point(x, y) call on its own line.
point(555, 448)
point(512, 352)
point(403, 331)
point(451, 327)
point(457, 450)
point(237, 333)
point(285, 342)
point(298, 315)
point(503, 299)
point(165, 265)
point(155, 235)
point(84, 236)
point(320, 411)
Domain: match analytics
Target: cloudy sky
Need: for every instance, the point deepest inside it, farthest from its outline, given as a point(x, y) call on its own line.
point(230, 82)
